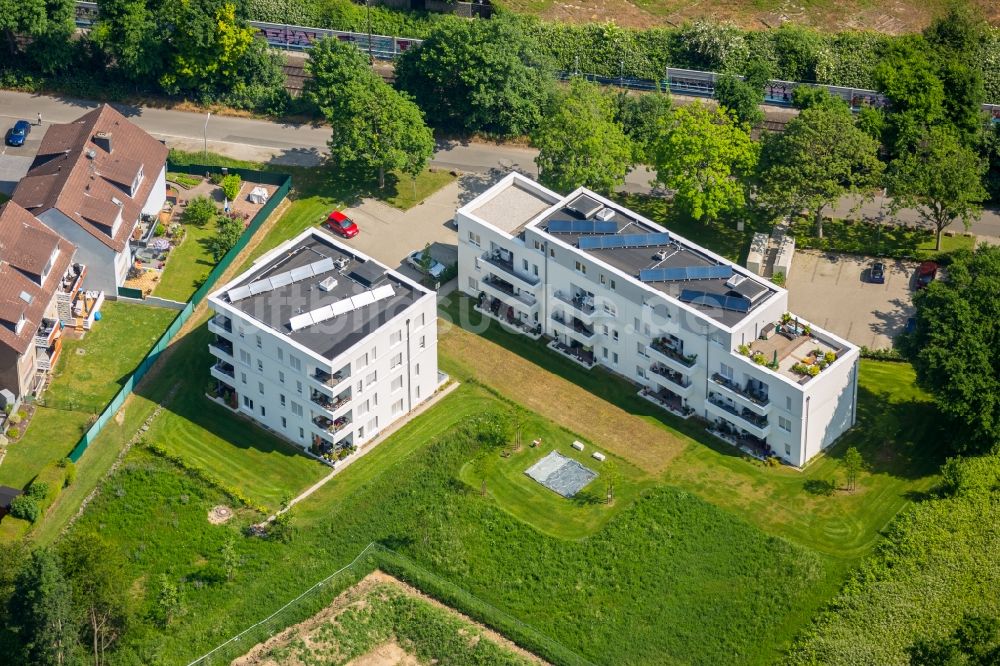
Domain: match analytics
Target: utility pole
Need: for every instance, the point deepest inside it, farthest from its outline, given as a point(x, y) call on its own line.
point(209, 115)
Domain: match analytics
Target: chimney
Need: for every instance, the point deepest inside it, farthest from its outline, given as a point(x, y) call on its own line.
point(103, 140)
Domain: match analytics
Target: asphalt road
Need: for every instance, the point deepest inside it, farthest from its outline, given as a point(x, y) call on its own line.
point(305, 144)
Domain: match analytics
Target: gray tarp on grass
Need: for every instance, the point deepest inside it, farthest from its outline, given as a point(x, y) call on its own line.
point(561, 474)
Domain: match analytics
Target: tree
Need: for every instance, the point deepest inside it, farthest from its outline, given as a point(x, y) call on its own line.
point(128, 33)
point(974, 642)
point(231, 185)
point(942, 179)
point(743, 97)
point(641, 117)
point(206, 45)
point(809, 97)
point(611, 476)
point(168, 601)
point(199, 211)
point(426, 260)
point(333, 65)
point(820, 157)
point(38, 31)
point(853, 464)
point(229, 228)
point(916, 95)
point(701, 154)
point(381, 130)
point(478, 76)
point(955, 347)
point(41, 612)
point(99, 590)
point(580, 143)
point(230, 558)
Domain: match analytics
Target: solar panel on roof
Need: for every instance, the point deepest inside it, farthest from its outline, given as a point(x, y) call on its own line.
point(582, 227)
point(259, 287)
point(685, 273)
point(367, 273)
point(733, 303)
point(238, 293)
point(362, 299)
point(300, 321)
point(385, 291)
point(623, 240)
point(340, 307)
point(281, 279)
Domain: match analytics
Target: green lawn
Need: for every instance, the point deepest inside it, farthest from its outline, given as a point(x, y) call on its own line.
point(869, 239)
point(897, 434)
point(668, 575)
point(403, 192)
point(83, 384)
point(187, 265)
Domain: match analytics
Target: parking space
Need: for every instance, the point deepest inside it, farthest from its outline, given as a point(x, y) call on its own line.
point(15, 161)
point(833, 291)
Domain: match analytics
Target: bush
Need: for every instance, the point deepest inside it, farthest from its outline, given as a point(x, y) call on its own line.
point(38, 491)
point(231, 185)
point(160, 229)
point(13, 433)
point(14, 419)
point(25, 507)
point(890, 354)
point(70, 472)
point(199, 211)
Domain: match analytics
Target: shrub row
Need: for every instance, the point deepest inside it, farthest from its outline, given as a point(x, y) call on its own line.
point(890, 354)
point(202, 474)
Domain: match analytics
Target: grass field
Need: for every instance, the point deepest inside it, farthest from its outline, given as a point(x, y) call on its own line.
point(669, 575)
point(896, 433)
point(404, 193)
point(83, 384)
point(188, 264)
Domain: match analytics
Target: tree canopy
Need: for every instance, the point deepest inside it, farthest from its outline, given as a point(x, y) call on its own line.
point(941, 178)
point(580, 143)
point(641, 117)
point(478, 76)
point(820, 157)
point(699, 155)
point(954, 346)
point(743, 97)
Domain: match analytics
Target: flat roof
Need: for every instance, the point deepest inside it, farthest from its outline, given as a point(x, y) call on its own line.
point(672, 253)
point(336, 334)
point(511, 207)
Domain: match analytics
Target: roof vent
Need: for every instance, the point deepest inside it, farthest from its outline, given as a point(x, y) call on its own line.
point(660, 255)
point(116, 201)
point(735, 281)
point(328, 284)
point(91, 153)
point(605, 215)
point(341, 263)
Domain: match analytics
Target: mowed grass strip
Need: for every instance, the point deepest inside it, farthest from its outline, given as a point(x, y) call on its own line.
point(188, 264)
point(643, 444)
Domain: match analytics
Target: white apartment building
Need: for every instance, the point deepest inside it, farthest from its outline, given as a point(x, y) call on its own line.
point(697, 333)
point(322, 344)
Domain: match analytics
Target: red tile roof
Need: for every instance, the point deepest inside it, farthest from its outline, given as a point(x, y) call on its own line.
point(26, 246)
point(76, 174)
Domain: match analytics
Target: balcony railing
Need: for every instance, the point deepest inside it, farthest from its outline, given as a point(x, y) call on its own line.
point(576, 326)
point(225, 369)
point(222, 322)
point(326, 379)
point(746, 415)
point(579, 303)
point(671, 353)
point(506, 289)
point(222, 346)
point(508, 268)
point(46, 333)
point(756, 397)
point(675, 378)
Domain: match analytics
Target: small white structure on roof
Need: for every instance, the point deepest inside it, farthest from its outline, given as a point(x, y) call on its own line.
point(258, 195)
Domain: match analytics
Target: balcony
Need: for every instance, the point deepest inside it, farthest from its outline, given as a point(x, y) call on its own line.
point(493, 309)
point(495, 259)
point(673, 357)
point(573, 326)
point(220, 325)
point(579, 355)
point(331, 425)
point(221, 348)
point(70, 283)
point(756, 400)
point(753, 423)
point(224, 372)
point(581, 303)
point(327, 380)
point(671, 380)
point(330, 404)
point(668, 400)
point(47, 333)
point(505, 291)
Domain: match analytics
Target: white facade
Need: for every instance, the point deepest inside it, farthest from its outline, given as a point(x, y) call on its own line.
point(687, 359)
point(321, 402)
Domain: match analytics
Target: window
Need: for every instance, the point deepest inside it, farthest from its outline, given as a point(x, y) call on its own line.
point(260, 388)
point(243, 377)
point(298, 386)
point(420, 320)
point(296, 409)
point(416, 370)
point(361, 385)
point(473, 284)
point(263, 411)
point(552, 252)
point(281, 376)
point(537, 245)
point(281, 354)
point(417, 391)
point(635, 324)
point(612, 285)
point(614, 358)
point(610, 309)
point(370, 379)
point(284, 423)
point(788, 449)
point(396, 338)
point(785, 424)
point(422, 343)
point(604, 279)
point(247, 402)
point(645, 330)
point(397, 383)
point(363, 408)
point(788, 402)
point(581, 268)
point(301, 434)
point(282, 399)
point(614, 335)
point(474, 239)
point(374, 353)
point(604, 352)
point(362, 361)
point(726, 371)
point(396, 361)
point(397, 407)
point(260, 365)
point(524, 265)
point(373, 425)
point(259, 344)
point(640, 349)
point(604, 328)
point(244, 357)
point(294, 362)
point(640, 371)
point(534, 269)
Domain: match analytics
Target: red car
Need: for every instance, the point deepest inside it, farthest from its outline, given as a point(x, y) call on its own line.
point(926, 272)
point(342, 225)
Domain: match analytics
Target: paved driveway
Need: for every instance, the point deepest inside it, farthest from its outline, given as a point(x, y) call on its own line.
point(831, 290)
point(14, 162)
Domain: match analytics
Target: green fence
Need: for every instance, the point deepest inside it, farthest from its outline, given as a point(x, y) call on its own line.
point(284, 183)
point(129, 292)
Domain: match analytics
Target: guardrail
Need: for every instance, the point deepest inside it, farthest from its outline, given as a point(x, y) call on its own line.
point(679, 81)
point(284, 183)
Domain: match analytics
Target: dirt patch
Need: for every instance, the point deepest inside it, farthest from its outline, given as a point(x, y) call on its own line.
point(356, 597)
point(630, 437)
point(220, 514)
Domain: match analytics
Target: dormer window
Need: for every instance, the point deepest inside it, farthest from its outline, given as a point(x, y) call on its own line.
point(49, 265)
point(136, 182)
point(20, 322)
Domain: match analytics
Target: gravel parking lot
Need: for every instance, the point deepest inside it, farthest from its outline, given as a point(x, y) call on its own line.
point(832, 291)
point(14, 162)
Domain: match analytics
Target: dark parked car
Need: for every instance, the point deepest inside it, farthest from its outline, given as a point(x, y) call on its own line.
point(876, 273)
point(340, 224)
point(17, 134)
point(926, 273)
